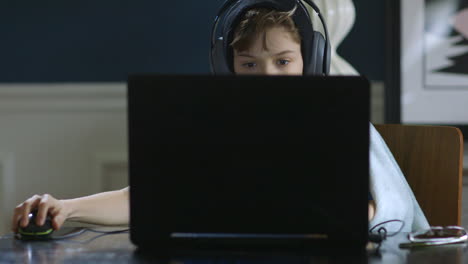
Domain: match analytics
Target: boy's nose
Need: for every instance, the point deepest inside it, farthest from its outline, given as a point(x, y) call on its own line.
point(269, 70)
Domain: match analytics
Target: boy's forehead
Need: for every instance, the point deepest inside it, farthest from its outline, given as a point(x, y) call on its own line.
point(274, 40)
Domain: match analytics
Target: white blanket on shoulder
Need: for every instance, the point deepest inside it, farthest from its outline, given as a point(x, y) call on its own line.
point(392, 195)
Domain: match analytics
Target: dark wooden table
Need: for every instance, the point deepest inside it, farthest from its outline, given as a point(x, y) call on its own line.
point(92, 247)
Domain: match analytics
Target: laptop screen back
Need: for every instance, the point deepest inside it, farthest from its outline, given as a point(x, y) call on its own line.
point(248, 155)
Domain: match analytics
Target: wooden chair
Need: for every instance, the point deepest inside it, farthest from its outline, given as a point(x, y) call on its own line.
point(431, 158)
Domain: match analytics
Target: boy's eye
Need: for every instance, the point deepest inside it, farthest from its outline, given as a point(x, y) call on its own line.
point(283, 62)
point(249, 64)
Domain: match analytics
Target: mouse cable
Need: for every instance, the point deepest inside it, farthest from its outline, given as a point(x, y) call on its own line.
point(81, 231)
point(109, 232)
point(382, 232)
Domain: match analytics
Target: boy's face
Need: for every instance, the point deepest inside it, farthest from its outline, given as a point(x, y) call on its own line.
point(276, 53)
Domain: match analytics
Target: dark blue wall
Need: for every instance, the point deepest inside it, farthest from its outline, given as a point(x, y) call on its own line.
point(105, 40)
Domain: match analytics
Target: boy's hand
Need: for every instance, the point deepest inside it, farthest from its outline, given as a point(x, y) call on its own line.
point(371, 213)
point(45, 204)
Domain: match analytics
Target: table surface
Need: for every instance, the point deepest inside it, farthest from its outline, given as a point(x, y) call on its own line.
point(90, 247)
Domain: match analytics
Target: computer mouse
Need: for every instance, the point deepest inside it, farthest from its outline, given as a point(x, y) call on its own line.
point(35, 232)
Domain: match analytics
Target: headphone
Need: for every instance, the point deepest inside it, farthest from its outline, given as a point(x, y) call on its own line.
point(314, 47)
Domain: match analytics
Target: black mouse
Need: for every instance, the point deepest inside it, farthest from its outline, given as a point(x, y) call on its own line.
point(34, 232)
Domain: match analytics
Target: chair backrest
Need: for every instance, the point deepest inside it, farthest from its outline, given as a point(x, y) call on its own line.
point(431, 158)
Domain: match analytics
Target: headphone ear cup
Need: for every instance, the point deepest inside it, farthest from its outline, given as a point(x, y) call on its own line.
point(327, 58)
point(319, 56)
point(218, 60)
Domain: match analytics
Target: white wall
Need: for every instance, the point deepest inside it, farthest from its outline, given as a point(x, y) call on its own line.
point(377, 102)
point(68, 140)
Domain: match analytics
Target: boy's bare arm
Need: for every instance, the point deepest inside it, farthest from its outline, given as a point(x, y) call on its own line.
point(107, 208)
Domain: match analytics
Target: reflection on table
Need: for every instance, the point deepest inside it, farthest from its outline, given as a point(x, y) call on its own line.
point(91, 247)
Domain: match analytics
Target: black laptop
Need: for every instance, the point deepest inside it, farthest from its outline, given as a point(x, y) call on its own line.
point(248, 162)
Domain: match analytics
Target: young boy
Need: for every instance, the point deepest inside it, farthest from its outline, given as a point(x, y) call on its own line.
point(265, 42)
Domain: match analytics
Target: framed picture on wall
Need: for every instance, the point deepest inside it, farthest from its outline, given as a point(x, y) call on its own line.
point(427, 62)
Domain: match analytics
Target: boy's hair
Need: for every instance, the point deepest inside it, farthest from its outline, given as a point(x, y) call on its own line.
point(257, 21)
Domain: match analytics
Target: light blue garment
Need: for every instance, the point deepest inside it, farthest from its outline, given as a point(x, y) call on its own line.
point(392, 195)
